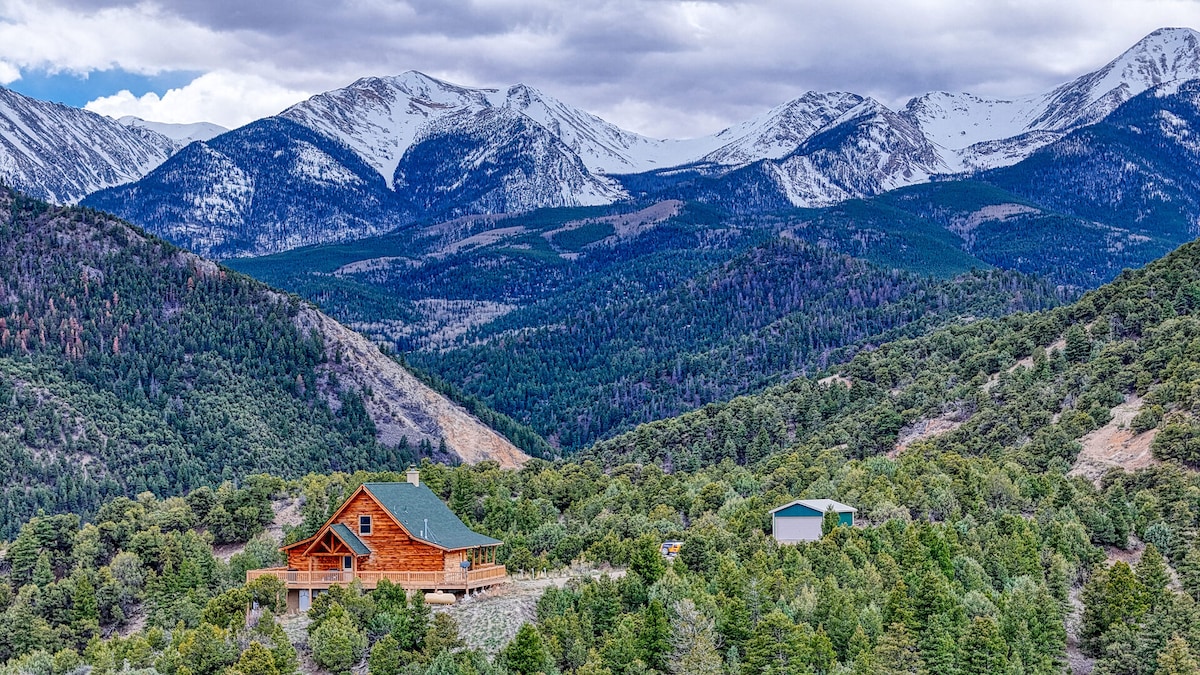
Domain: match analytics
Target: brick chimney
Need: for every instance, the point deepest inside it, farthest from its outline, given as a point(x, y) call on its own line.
point(414, 476)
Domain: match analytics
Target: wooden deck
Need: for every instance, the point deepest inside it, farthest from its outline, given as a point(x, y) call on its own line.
point(468, 580)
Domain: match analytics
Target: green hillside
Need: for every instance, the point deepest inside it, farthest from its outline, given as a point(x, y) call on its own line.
point(1023, 387)
point(975, 549)
point(554, 320)
point(129, 365)
point(780, 310)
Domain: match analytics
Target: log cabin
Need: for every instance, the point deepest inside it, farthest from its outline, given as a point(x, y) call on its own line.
point(402, 532)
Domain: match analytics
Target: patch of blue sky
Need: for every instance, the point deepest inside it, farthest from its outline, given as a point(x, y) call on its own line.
point(76, 90)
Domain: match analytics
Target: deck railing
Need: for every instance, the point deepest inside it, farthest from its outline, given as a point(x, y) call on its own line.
point(457, 580)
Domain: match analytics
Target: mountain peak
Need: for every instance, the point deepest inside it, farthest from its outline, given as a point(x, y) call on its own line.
point(1175, 33)
point(180, 133)
point(60, 153)
point(417, 85)
point(1164, 55)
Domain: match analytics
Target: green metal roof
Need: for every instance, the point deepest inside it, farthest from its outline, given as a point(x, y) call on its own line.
point(425, 516)
point(345, 534)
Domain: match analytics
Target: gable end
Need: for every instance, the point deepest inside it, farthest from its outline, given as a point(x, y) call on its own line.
point(798, 511)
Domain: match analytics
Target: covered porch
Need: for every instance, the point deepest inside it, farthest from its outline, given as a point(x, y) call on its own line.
point(459, 580)
point(303, 586)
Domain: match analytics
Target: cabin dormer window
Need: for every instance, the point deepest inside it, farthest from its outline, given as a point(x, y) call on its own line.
point(364, 525)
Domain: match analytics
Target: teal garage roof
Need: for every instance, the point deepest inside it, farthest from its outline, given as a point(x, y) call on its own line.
point(812, 508)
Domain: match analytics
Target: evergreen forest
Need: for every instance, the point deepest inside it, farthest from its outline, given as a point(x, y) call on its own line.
point(980, 547)
point(128, 365)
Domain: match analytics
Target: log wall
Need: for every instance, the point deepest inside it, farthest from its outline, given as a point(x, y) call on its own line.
point(391, 548)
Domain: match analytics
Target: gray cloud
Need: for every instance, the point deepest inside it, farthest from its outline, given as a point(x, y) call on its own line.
point(662, 67)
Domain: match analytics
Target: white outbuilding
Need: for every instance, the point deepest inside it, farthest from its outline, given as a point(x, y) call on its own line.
point(801, 519)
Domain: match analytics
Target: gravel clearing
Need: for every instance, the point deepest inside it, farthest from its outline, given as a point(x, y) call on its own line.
point(488, 620)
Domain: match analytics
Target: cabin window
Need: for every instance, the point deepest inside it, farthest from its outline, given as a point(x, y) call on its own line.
point(364, 525)
point(347, 563)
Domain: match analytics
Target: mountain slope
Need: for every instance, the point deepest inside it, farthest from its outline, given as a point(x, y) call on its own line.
point(267, 186)
point(127, 364)
point(62, 154)
point(1137, 168)
point(782, 309)
point(980, 133)
point(1026, 387)
point(581, 322)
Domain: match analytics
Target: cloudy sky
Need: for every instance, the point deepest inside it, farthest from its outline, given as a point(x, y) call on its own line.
point(660, 67)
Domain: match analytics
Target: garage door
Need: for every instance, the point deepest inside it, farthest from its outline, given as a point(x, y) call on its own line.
point(797, 529)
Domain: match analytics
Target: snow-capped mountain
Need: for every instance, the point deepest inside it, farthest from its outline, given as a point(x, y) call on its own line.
point(382, 119)
point(1136, 167)
point(494, 160)
point(269, 186)
point(781, 130)
point(982, 133)
point(356, 162)
point(867, 150)
point(386, 150)
point(182, 134)
point(61, 154)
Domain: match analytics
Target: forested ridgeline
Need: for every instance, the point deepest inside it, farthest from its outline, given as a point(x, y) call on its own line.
point(557, 321)
point(129, 365)
point(780, 310)
point(1025, 387)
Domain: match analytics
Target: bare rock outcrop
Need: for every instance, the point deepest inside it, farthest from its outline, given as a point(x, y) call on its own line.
point(399, 403)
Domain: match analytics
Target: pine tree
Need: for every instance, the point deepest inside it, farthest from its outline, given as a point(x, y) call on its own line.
point(776, 646)
point(525, 654)
point(1153, 576)
point(206, 650)
point(822, 658)
point(85, 611)
point(939, 645)
point(983, 648)
point(899, 606)
point(443, 664)
point(654, 641)
point(895, 654)
point(1189, 573)
point(594, 665)
point(43, 574)
point(734, 623)
point(256, 660)
point(1176, 659)
point(1111, 596)
point(694, 649)
point(646, 560)
point(287, 661)
point(1078, 347)
point(829, 521)
point(442, 635)
point(385, 657)
point(860, 643)
point(1057, 581)
point(337, 644)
